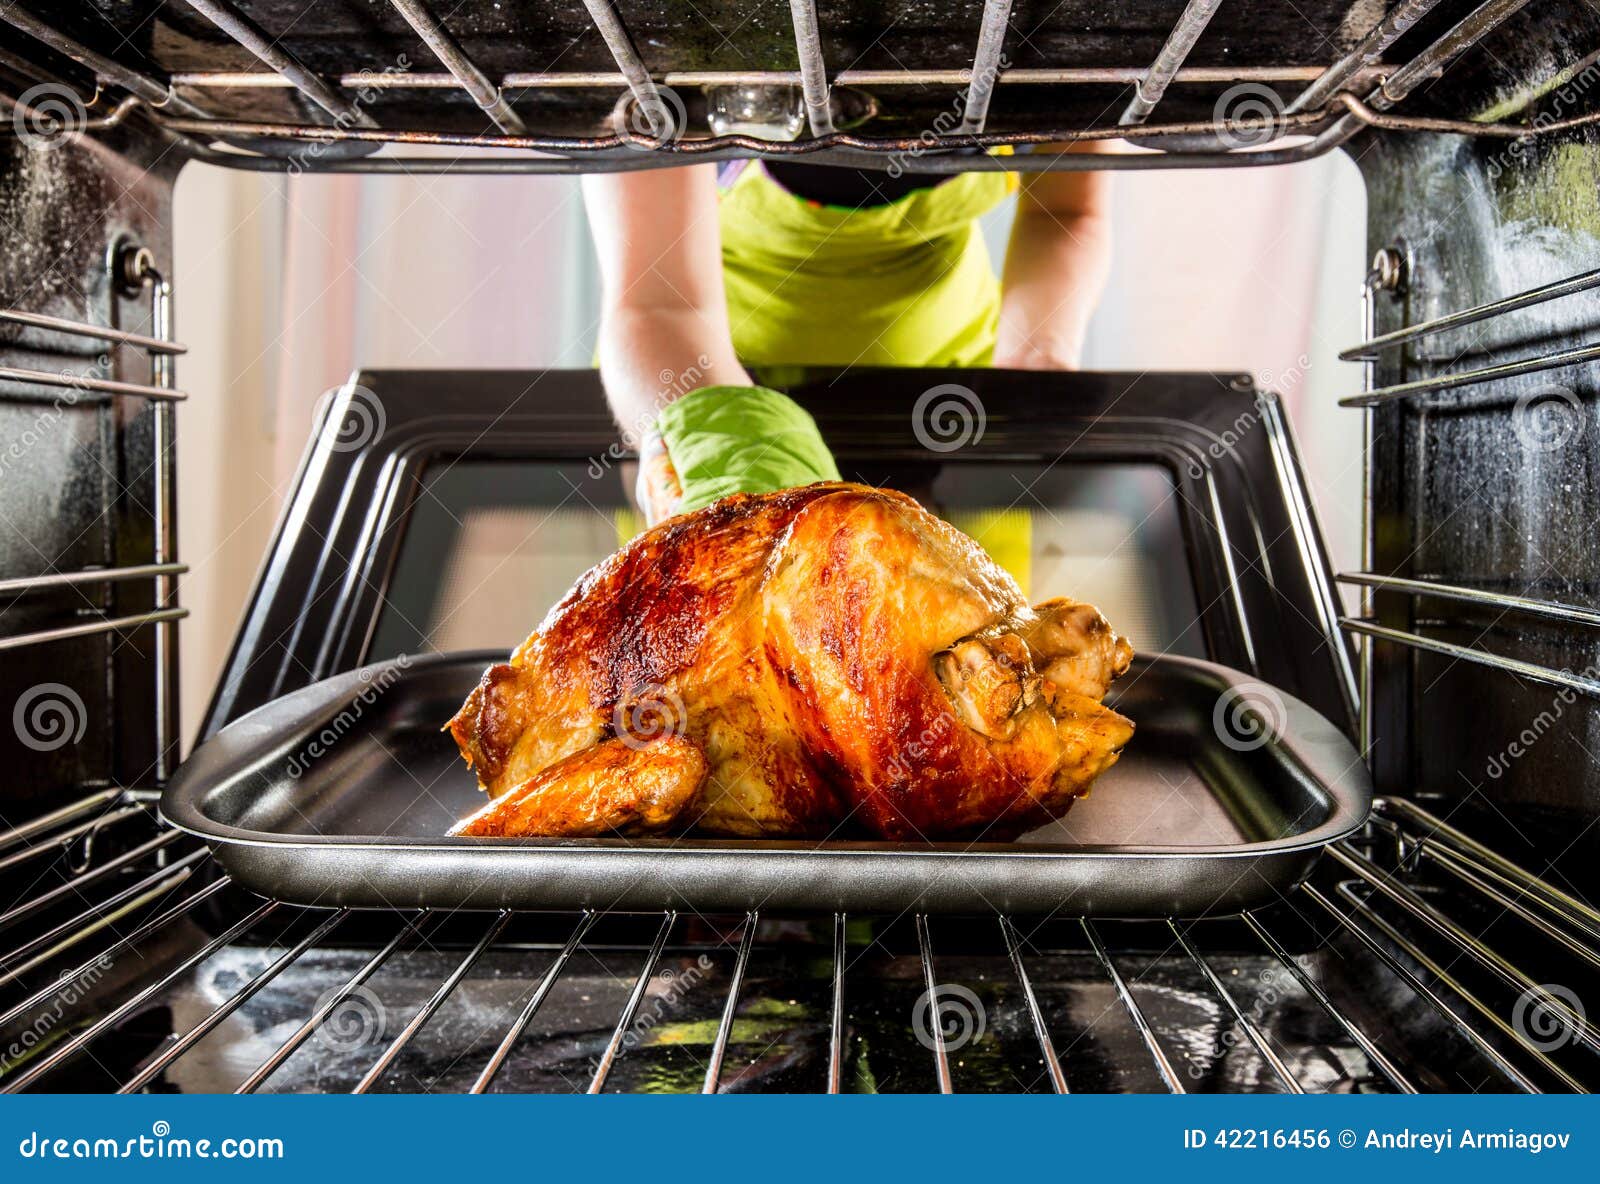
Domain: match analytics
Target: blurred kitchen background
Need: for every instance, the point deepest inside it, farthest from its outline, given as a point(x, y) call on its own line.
point(287, 283)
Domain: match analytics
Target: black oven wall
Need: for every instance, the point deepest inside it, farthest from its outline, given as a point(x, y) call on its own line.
point(1492, 485)
point(78, 468)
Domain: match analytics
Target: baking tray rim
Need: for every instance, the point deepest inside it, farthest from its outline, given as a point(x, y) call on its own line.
point(1349, 797)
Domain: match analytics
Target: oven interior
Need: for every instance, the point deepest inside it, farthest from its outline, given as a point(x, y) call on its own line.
point(1450, 946)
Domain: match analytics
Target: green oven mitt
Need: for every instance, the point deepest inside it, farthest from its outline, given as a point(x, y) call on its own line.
point(721, 440)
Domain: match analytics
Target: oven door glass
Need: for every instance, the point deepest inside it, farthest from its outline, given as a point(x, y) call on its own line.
point(489, 546)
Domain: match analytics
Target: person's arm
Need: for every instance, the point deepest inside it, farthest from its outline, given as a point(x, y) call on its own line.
point(1056, 266)
point(673, 381)
point(664, 315)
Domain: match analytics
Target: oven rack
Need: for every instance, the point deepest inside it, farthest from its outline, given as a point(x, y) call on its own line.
point(1388, 272)
point(1379, 898)
point(1354, 91)
point(134, 268)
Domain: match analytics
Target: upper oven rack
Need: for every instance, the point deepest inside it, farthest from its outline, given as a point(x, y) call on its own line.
point(1371, 897)
point(1354, 91)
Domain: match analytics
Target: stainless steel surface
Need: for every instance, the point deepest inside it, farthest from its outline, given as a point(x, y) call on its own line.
point(89, 628)
point(836, 1017)
point(293, 818)
point(142, 273)
point(1582, 282)
point(33, 320)
point(436, 1001)
point(1041, 1030)
point(602, 1067)
point(719, 1044)
point(1550, 610)
point(1559, 678)
point(1444, 382)
point(1149, 90)
point(88, 382)
point(1131, 1005)
point(986, 59)
point(462, 68)
point(1246, 1025)
point(932, 1007)
point(94, 575)
point(813, 67)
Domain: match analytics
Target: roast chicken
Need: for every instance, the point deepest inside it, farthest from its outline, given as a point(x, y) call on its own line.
point(828, 661)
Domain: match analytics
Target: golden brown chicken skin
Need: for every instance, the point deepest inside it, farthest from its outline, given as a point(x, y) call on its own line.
point(841, 661)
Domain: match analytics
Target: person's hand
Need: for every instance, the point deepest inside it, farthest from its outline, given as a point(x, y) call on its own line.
point(722, 440)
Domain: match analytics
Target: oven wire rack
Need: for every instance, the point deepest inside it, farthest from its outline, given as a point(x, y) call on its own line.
point(1374, 896)
point(1357, 90)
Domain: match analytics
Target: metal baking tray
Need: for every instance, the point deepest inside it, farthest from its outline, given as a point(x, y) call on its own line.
point(341, 793)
